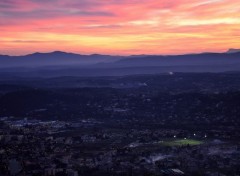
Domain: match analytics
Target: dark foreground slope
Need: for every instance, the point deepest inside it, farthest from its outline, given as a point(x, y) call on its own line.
point(156, 125)
point(187, 100)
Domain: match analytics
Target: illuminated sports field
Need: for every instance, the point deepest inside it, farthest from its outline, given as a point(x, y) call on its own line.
point(181, 142)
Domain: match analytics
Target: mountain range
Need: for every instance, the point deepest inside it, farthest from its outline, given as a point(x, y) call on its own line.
point(69, 64)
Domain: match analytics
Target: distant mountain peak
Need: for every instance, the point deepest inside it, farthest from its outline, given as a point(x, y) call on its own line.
point(53, 52)
point(233, 50)
point(58, 52)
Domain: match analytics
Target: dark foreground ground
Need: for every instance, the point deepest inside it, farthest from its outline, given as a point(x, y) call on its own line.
point(168, 124)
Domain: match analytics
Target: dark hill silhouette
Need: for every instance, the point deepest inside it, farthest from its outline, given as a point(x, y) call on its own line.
point(232, 50)
point(53, 58)
point(182, 60)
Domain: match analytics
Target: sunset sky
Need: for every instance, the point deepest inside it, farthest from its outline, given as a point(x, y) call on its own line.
point(119, 27)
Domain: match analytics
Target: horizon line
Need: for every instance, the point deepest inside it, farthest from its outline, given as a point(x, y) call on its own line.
point(116, 55)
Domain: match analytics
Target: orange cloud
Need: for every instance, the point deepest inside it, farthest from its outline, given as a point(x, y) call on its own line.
point(119, 27)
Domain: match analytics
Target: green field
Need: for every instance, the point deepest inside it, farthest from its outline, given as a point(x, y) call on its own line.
point(181, 142)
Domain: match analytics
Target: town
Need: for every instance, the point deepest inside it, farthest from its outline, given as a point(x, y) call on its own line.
point(151, 127)
point(33, 147)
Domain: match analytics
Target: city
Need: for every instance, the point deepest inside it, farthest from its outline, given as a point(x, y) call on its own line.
point(132, 130)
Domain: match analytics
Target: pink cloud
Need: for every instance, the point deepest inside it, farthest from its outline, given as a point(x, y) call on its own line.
point(138, 26)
